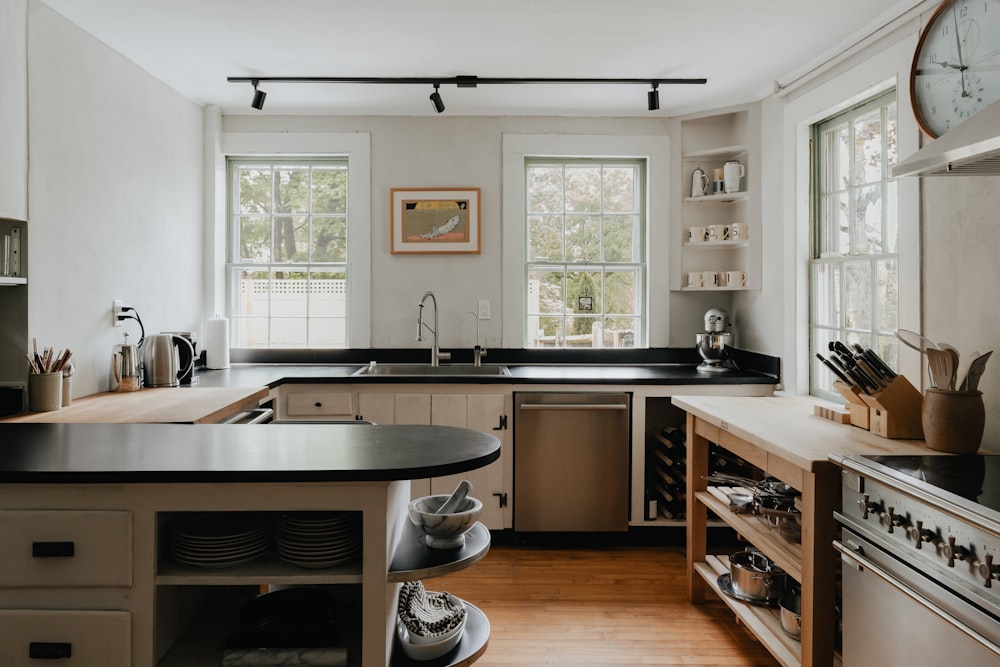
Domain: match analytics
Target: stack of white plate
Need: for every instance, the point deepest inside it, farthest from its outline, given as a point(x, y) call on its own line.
point(318, 539)
point(219, 539)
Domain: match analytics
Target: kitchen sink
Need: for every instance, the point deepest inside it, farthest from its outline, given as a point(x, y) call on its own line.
point(445, 370)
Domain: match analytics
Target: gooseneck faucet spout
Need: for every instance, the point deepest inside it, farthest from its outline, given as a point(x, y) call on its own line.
point(436, 354)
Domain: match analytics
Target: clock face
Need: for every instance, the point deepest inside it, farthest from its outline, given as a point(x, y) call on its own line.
point(956, 68)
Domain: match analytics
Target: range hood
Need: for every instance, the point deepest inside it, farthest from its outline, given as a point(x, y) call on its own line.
point(971, 149)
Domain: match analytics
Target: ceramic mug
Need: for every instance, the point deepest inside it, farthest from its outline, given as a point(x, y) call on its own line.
point(694, 279)
point(739, 231)
point(736, 278)
point(709, 279)
point(718, 232)
point(697, 234)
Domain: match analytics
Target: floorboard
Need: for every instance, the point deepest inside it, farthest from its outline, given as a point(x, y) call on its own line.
point(613, 605)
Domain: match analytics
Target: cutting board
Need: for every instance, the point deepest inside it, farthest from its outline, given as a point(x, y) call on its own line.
point(199, 405)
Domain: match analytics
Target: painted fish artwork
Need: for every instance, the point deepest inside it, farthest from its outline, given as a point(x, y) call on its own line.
point(435, 221)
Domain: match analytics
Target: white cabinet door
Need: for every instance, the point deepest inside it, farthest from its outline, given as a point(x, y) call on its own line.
point(480, 412)
point(377, 407)
point(13, 110)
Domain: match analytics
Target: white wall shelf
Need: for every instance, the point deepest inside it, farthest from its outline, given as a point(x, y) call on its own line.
point(11, 281)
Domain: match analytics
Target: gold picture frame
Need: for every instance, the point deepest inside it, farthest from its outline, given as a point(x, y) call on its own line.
point(435, 221)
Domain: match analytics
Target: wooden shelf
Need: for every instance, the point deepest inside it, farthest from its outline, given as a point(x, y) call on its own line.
point(470, 647)
point(718, 153)
point(763, 622)
point(715, 289)
point(717, 245)
point(755, 530)
point(724, 198)
point(415, 560)
point(11, 281)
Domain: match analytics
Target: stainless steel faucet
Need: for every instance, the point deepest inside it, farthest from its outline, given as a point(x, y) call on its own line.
point(436, 354)
point(478, 352)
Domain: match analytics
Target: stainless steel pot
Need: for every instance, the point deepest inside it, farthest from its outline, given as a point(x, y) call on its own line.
point(791, 614)
point(755, 576)
point(166, 357)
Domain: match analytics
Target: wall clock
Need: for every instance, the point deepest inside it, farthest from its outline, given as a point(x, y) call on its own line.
point(956, 67)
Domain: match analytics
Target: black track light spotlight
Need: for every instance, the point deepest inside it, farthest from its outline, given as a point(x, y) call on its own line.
point(258, 96)
point(436, 99)
point(653, 96)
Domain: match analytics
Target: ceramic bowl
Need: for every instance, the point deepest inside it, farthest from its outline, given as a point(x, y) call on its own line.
point(444, 531)
point(431, 650)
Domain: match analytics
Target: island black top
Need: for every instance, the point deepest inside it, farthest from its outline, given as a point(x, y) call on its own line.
point(124, 453)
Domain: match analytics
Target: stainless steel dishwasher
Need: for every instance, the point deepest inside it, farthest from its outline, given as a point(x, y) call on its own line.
point(571, 461)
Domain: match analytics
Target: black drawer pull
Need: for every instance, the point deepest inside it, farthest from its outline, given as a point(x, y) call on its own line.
point(52, 549)
point(50, 650)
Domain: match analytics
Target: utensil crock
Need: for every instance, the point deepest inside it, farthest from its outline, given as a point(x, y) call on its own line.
point(953, 421)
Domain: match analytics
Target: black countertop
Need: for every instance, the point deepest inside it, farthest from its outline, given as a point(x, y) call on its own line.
point(128, 453)
point(666, 366)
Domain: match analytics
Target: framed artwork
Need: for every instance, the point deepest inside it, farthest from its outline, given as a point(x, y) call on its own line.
point(435, 220)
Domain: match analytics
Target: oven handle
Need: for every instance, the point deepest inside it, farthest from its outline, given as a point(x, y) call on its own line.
point(855, 558)
point(256, 416)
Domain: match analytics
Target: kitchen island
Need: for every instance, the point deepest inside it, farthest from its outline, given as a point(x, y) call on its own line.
point(86, 510)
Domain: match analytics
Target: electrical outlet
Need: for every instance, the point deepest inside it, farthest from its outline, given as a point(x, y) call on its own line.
point(484, 309)
point(116, 310)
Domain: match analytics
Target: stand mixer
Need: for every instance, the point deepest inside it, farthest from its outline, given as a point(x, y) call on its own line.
point(713, 344)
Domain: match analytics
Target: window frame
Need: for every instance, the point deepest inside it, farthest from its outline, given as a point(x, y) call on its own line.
point(639, 267)
point(356, 147)
point(655, 149)
point(818, 376)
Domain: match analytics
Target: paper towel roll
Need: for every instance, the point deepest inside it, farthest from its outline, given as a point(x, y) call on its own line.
point(217, 342)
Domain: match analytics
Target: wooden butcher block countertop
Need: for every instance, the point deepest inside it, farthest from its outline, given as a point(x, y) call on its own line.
point(188, 405)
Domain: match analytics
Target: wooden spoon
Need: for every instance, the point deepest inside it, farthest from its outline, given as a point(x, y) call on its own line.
point(941, 367)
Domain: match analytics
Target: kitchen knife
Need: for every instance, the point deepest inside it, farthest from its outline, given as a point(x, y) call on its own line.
point(826, 362)
point(878, 363)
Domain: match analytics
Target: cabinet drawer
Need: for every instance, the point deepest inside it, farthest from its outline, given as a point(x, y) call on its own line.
point(65, 548)
point(319, 404)
point(30, 637)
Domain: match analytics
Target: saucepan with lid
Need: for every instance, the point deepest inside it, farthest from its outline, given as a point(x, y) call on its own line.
point(756, 577)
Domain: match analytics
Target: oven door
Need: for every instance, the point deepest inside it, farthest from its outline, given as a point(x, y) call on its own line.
point(896, 616)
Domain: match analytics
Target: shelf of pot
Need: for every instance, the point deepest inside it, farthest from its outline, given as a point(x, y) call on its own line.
point(721, 198)
point(716, 245)
point(719, 153)
point(763, 622)
point(754, 529)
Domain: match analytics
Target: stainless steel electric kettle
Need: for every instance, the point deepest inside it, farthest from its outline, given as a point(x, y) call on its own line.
point(166, 358)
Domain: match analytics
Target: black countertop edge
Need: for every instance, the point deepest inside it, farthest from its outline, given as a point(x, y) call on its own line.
point(668, 366)
point(744, 359)
point(230, 454)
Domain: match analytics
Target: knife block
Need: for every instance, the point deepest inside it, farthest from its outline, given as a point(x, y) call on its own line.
point(859, 410)
point(895, 411)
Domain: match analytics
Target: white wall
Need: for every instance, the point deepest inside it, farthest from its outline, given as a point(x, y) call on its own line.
point(445, 152)
point(115, 197)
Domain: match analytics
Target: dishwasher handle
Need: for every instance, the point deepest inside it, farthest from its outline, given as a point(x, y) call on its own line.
point(258, 416)
point(573, 406)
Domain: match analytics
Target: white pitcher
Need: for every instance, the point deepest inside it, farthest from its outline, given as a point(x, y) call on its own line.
point(699, 181)
point(732, 172)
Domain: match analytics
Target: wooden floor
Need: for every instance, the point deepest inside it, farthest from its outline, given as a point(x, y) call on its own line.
point(620, 605)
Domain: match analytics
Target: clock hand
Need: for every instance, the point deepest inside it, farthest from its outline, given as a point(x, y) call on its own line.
point(945, 63)
point(958, 44)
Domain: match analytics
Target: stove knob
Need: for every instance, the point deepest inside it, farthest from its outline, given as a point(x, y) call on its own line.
point(919, 534)
point(866, 507)
point(986, 571)
point(952, 551)
point(890, 519)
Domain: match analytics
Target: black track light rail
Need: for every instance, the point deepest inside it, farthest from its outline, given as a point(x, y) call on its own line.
point(460, 81)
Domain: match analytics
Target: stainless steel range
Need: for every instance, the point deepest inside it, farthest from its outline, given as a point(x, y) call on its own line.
point(920, 546)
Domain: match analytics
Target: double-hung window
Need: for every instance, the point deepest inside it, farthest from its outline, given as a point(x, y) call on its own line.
point(585, 270)
point(287, 266)
point(854, 286)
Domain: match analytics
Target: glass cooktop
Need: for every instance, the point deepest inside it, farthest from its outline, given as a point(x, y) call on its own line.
point(973, 477)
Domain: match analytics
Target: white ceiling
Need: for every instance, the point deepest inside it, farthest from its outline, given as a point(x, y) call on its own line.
point(741, 46)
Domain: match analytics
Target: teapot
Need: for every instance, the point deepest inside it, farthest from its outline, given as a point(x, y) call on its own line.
point(166, 358)
point(125, 367)
point(699, 181)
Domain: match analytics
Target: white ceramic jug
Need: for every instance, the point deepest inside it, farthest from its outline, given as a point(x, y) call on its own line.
point(732, 172)
point(699, 181)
